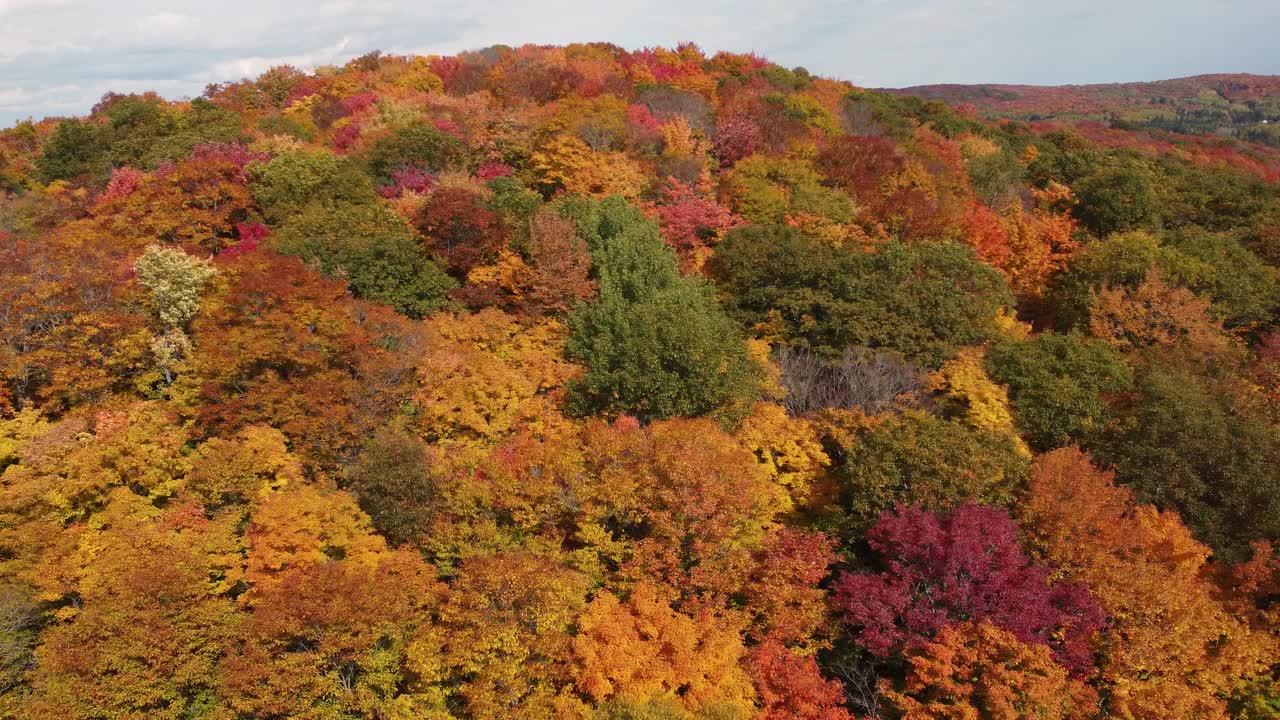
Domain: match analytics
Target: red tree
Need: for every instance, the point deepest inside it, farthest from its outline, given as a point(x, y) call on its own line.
point(461, 229)
point(791, 687)
point(941, 569)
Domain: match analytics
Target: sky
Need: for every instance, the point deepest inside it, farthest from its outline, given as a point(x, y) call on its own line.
point(57, 57)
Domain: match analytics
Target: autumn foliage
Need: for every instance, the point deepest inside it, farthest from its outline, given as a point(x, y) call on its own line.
point(593, 384)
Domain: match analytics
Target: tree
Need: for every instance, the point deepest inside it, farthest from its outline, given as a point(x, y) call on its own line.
point(873, 382)
point(502, 642)
point(862, 165)
point(642, 648)
point(1041, 242)
point(1156, 317)
point(283, 342)
point(149, 633)
point(1117, 197)
point(569, 164)
point(372, 249)
point(1183, 441)
point(300, 528)
point(173, 281)
point(1171, 651)
point(788, 448)
point(559, 266)
point(655, 344)
point(965, 392)
point(246, 467)
point(67, 334)
point(737, 136)
point(783, 592)
point(965, 565)
point(919, 459)
point(331, 639)
point(481, 375)
point(691, 223)
point(293, 180)
point(984, 232)
point(924, 300)
point(912, 190)
point(689, 503)
point(20, 622)
point(195, 202)
point(1244, 289)
point(768, 191)
point(75, 148)
point(1120, 261)
point(978, 670)
point(393, 484)
point(460, 229)
point(791, 687)
point(417, 145)
point(1059, 385)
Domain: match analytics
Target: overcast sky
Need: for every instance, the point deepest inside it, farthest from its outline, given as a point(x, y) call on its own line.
point(59, 56)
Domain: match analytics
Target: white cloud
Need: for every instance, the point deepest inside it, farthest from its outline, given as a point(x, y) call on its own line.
point(163, 23)
point(252, 66)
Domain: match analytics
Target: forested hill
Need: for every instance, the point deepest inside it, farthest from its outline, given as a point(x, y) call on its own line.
point(594, 384)
point(1237, 105)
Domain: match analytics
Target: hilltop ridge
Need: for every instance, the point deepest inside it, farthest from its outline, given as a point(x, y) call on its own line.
point(1238, 104)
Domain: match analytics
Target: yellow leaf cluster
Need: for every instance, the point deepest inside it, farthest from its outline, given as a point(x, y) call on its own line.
point(565, 162)
point(964, 385)
point(642, 649)
point(788, 450)
point(483, 373)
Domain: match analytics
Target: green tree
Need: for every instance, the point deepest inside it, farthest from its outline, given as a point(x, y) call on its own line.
point(136, 125)
point(373, 249)
point(920, 459)
point(1117, 198)
point(925, 300)
point(418, 145)
point(766, 190)
point(1058, 385)
point(1183, 443)
point(392, 483)
point(76, 147)
point(1245, 291)
point(1120, 260)
point(655, 344)
point(290, 182)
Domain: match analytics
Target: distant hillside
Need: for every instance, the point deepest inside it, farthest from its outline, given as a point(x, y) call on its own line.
point(1244, 106)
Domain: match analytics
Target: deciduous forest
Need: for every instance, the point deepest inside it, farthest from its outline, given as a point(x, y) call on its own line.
point(584, 383)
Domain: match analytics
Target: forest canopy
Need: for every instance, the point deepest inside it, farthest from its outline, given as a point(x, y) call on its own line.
point(578, 382)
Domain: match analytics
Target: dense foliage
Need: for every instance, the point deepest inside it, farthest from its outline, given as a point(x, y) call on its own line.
point(574, 382)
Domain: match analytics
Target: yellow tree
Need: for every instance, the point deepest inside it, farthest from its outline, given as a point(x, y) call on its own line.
point(250, 465)
point(1171, 650)
point(641, 649)
point(146, 633)
point(502, 644)
point(566, 163)
point(692, 503)
point(302, 527)
point(484, 373)
point(967, 391)
point(787, 448)
point(330, 641)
